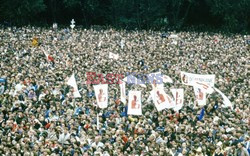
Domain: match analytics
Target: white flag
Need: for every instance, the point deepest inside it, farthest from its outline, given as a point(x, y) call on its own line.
point(101, 93)
point(178, 95)
point(206, 88)
point(192, 79)
point(113, 56)
point(226, 101)
point(134, 105)
point(72, 82)
point(123, 91)
point(161, 99)
point(200, 96)
point(167, 79)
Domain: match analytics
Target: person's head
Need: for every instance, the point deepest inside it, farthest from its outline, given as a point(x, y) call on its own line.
point(239, 145)
point(100, 91)
point(135, 97)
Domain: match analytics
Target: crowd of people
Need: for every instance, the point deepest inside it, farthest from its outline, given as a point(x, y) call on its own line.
point(39, 115)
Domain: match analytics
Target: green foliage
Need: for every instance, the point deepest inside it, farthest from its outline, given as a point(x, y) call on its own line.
point(234, 13)
point(143, 14)
point(21, 11)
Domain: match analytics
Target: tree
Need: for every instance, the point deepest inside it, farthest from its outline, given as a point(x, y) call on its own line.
point(88, 9)
point(21, 11)
point(235, 14)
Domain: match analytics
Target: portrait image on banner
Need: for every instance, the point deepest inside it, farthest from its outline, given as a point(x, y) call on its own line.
point(195, 79)
point(101, 93)
point(134, 104)
point(200, 96)
point(178, 95)
point(161, 99)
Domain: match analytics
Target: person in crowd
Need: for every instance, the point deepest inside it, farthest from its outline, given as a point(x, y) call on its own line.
point(40, 116)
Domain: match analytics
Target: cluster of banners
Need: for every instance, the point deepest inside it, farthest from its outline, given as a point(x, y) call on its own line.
point(202, 85)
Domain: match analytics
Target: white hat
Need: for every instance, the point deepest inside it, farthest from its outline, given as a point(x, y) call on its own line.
point(219, 143)
point(198, 149)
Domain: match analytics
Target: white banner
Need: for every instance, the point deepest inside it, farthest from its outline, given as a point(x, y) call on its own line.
point(206, 88)
point(123, 91)
point(178, 95)
point(200, 96)
point(134, 105)
point(101, 93)
point(161, 99)
point(192, 79)
point(72, 82)
point(167, 79)
point(226, 101)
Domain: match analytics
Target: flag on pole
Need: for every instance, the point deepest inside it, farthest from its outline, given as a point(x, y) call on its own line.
point(161, 99)
point(226, 101)
point(134, 105)
point(200, 96)
point(178, 95)
point(101, 93)
point(72, 82)
point(48, 56)
point(35, 42)
point(166, 79)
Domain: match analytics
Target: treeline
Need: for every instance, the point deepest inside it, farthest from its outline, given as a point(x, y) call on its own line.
point(228, 15)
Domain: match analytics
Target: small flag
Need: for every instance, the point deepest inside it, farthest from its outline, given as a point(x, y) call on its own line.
point(72, 82)
point(35, 42)
point(101, 93)
point(135, 105)
point(200, 95)
point(226, 101)
point(200, 117)
point(167, 79)
point(178, 95)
